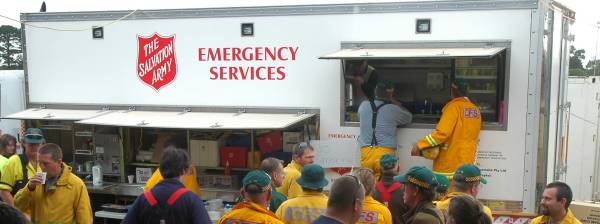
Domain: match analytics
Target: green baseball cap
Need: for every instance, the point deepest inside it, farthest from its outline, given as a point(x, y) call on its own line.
point(34, 136)
point(388, 161)
point(443, 182)
point(420, 176)
point(258, 178)
point(312, 177)
point(471, 173)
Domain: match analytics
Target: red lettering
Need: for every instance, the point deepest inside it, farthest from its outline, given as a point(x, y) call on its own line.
point(213, 73)
point(270, 54)
point(236, 53)
point(244, 72)
point(271, 72)
point(223, 72)
point(258, 53)
point(233, 73)
point(247, 56)
point(226, 53)
point(280, 71)
point(280, 54)
point(293, 52)
point(258, 73)
point(200, 54)
point(214, 54)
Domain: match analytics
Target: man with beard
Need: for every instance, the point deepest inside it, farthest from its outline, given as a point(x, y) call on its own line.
point(555, 205)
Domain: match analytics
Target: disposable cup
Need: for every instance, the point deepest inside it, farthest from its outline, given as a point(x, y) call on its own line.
point(130, 179)
point(43, 176)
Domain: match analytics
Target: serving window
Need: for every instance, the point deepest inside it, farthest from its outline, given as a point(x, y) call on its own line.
point(421, 80)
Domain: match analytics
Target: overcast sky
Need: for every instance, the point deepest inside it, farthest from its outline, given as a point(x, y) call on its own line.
point(585, 27)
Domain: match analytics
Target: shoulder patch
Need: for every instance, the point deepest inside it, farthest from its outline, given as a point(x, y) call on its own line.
point(470, 113)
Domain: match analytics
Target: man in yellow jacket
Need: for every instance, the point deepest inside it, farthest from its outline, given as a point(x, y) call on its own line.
point(555, 205)
point(302, 155)
point(63, 198)
point(456, 134)
point(189, 181)
point(309, 205)
point(373, 210)
point(466, 181)
point(257, 194)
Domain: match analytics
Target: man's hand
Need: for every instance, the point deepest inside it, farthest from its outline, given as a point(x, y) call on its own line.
point(415, 151)
point(34, 182)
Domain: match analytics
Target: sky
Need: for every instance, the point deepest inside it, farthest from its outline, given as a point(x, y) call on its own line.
point(585, 28)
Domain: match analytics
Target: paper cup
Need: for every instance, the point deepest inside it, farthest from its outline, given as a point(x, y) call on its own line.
point(43, 176)
point(130, 179)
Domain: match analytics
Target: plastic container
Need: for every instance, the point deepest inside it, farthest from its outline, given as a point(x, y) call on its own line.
point(97, 175)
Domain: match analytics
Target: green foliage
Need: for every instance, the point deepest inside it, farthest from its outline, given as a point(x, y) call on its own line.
point(11, 56)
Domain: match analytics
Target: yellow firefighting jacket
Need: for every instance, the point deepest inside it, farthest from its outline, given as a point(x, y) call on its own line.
point(249, 212)
point(457, 134)
point(445, 203)
point(67, 201)
point(303, 209)
point(569, 219)
point(289, 187)
point(189, 181)
point(374, 212)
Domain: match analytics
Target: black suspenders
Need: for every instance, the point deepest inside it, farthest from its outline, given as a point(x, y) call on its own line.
point(375, 109)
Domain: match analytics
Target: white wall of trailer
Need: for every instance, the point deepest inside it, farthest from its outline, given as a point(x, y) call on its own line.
point(584, 97)
point(12, 99)
point(73, 68)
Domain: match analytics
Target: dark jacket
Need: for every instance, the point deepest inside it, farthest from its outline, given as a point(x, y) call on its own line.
point(189, 208)
point(424, 213)
point(397, 206)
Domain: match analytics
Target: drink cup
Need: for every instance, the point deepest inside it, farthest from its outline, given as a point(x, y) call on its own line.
point(130, 179)
point(43, 176)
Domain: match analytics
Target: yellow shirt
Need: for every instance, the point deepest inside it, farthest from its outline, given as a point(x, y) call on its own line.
point(569, 219)
point(303, 209)
point(249, 212)
point(68, 202)
point(289, 187)
point(189, 181)
point(13, 172)
point(445, 202)
point(374, 212)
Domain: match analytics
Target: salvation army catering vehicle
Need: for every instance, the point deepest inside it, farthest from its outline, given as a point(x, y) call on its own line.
point(282, 74)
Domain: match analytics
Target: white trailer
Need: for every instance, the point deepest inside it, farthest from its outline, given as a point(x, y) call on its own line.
point(12, 99)
point(267, 60)
point(580, 158)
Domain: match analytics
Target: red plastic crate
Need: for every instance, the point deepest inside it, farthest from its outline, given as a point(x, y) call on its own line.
point(237, 156)
point(270, 142)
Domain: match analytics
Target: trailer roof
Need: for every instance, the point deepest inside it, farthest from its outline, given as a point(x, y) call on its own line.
point(211, 8)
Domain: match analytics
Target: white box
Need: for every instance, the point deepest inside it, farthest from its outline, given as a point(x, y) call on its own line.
point(586, 212)
point(142, 175)
point(204, 153)
point(290, 139)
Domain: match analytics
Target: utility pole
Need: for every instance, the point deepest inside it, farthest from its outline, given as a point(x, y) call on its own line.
point(596, 49)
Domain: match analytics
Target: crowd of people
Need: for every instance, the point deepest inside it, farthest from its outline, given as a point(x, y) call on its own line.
point(37, 186)
point(418, 196)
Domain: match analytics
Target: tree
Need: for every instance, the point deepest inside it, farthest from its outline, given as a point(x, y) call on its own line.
point(576, 58)
point(590, 67)
point(10, 47)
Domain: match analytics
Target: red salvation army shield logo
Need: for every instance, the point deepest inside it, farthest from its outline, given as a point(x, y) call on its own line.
point(156, 64)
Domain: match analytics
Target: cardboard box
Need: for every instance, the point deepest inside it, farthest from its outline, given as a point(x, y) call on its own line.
point(290, 139)
point(586, 212)
point(204, 153)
